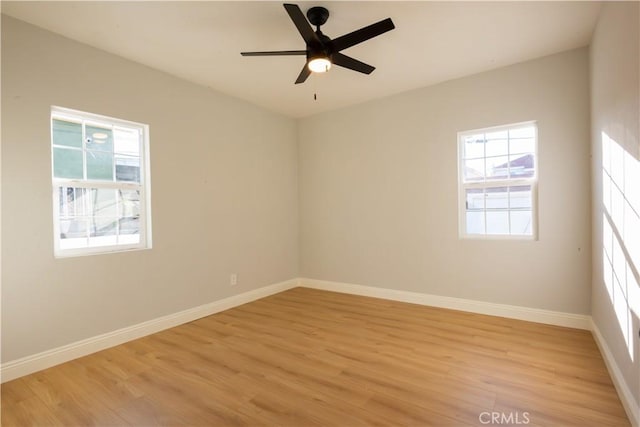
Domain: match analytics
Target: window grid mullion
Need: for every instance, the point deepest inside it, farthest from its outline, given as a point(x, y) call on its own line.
point(118, 214)
point(509, 175)
point(97, 184)
point(84, 151)
point(484, 153)
point(484, 180)
point(509, 207)
point(484, 209)
point(113, 154)
point(85, 215)
point(498, 183)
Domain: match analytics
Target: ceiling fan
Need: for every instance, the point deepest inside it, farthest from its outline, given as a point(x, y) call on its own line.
point(321, 51)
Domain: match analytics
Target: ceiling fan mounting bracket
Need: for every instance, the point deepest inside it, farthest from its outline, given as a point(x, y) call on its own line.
point(317, 15)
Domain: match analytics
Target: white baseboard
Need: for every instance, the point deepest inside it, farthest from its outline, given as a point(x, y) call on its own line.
point(626, 396)
point(37, 362)
point(578, 321)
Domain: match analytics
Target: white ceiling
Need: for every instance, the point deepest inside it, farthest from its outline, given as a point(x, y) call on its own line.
point(433, 42)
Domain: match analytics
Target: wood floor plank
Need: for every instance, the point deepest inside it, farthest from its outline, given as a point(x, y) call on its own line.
point(29, 412)
point(313, 358)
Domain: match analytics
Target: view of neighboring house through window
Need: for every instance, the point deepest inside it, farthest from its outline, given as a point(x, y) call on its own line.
point(100, 183)
point(497, 176)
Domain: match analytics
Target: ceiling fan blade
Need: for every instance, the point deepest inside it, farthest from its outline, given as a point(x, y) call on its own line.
point(303, 74)
point(362, 34)
point(351, 63)
point(301, 23)
point(275, 53)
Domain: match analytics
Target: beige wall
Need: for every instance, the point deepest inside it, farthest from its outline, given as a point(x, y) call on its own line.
point(378, 189)
point(224, 195)
point(615, 87)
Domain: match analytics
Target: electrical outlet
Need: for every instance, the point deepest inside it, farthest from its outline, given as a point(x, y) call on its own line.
point(233, 279)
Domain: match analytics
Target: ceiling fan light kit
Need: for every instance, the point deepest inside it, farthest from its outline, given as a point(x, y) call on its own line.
point(320, 64)
point(321, 51)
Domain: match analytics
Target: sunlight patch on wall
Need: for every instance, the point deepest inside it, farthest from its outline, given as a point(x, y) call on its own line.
point(621, 234)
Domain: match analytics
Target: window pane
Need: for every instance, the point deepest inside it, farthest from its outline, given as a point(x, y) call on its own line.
point(521, 222)
point(522, 146)
point(474, 199)
point(497, 222)
point(73, 228)
point(520, 197)
point(497, 167)
point(129, 203)
point(497, 198)
point(99, 138)
point(129, 211)
point(497, 147)
point(104, 211)
point(103, 203)
point(71, 202)
point(474, 170)
point(73, 224)
point(67, 163)
point(130, 225)
point(67, 133)
point(127, 142)
point(99, 165)
point(522, 166)
point(473, 146)
point(127, 168)
point(475, 222)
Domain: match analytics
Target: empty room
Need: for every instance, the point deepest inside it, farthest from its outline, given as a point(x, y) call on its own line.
point(345, 213)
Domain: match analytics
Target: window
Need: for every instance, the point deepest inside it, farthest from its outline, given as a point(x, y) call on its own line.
point(100, 172)
point(498, 178)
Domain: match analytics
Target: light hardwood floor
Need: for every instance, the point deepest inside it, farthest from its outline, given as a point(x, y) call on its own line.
point(314, 358)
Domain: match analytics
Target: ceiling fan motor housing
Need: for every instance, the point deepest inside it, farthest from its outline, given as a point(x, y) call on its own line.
point(322, 49)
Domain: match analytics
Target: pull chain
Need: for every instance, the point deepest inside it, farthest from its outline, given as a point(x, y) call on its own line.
point(315, 86)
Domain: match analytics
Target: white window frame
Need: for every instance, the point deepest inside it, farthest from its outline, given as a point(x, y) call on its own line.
point(492, 183)
point(144, 186)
